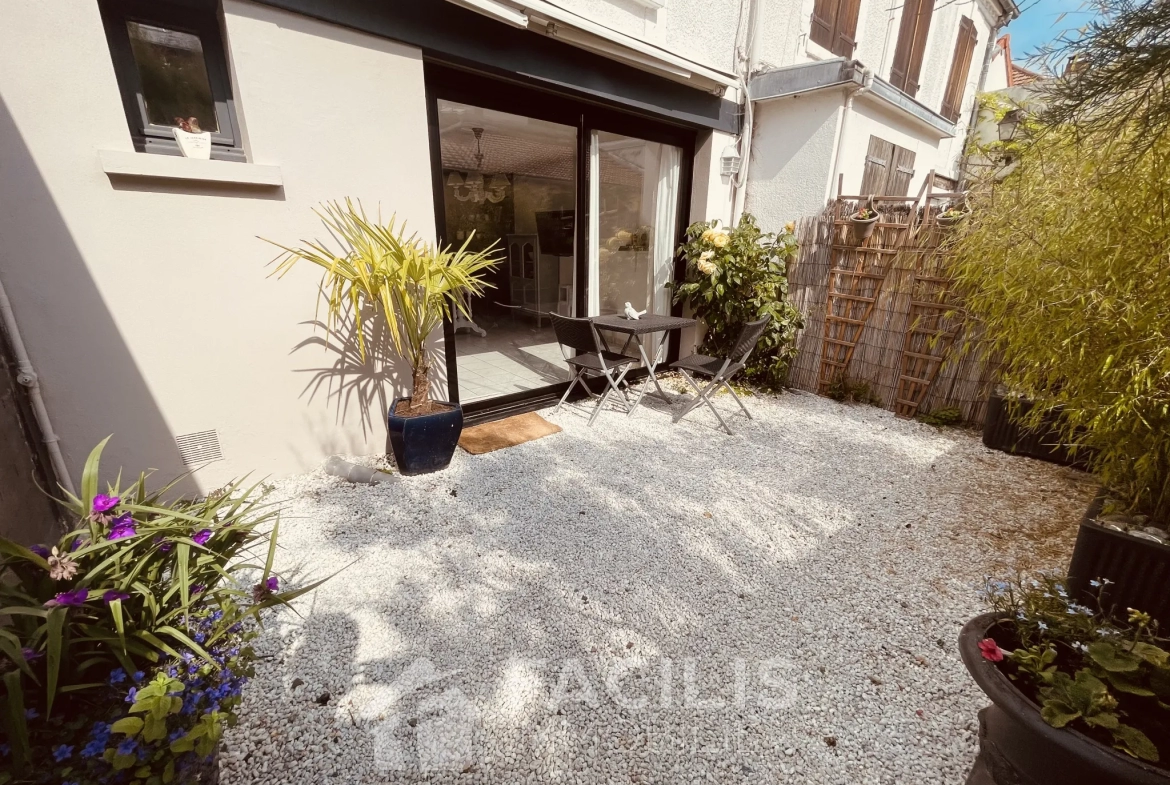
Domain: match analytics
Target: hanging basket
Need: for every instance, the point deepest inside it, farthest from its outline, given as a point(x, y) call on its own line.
point(863, 222)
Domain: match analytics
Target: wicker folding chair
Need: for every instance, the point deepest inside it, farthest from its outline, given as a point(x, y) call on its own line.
point(720, 370)
point(580, 335)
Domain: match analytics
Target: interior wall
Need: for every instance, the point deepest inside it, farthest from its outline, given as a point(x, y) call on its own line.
point(146, 304)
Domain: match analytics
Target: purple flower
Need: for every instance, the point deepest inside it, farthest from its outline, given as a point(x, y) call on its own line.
point(272, 584)
point(103, 503)
point(114, 594)
point(202, 537)
point(30, 654)
point(117, 676)
point(198, 588)
point(39, 550)
point(62, 752)
point(69, 598)
point(122, 526)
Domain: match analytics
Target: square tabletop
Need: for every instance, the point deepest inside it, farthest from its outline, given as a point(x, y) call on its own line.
point(649, 323)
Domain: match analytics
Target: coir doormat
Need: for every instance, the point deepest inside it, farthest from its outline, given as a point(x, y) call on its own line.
point(492, 436)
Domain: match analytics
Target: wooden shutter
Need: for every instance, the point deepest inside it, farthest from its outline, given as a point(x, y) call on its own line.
point(911, 49)
point(878, 162)
point(845, 34)
point(898, 180)
point(888, 169)
point(824, 19)
point(952, 103)
point(834, 25)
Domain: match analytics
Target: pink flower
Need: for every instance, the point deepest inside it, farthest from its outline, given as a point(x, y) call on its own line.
point(990, 650)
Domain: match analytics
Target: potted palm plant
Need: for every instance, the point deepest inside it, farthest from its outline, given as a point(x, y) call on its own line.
point(411, 285)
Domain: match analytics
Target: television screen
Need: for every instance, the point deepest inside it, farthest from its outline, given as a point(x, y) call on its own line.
point(555, 230)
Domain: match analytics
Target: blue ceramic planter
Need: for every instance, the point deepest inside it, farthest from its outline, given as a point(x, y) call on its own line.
point(425, 443)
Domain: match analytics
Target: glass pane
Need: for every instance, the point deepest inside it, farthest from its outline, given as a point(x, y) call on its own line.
point(174, 77)
point(637, 202)
point(511, 180)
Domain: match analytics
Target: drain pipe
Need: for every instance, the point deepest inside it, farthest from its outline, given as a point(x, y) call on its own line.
point(867, 76)
point(26, 377)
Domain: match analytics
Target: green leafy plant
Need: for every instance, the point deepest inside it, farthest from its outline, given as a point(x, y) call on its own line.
point(942, 418)
point(411, 284)
point(1063, 266)
point(125, 649)
point(738, 275)
point(1110, 680)
point(847, 390)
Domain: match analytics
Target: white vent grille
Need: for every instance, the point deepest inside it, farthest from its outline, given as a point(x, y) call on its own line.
point(199, 448)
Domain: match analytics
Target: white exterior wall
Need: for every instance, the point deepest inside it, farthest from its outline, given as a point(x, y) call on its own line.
point(145, 304)
point(792, 156)
point(700, 30)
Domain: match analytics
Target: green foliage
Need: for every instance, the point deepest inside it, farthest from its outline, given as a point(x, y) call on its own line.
point(942, 418)
point(1064, 265)
point(847, 390)
point(409, 282)
point(140, 586)
point(737, 276)
point(1111, 681)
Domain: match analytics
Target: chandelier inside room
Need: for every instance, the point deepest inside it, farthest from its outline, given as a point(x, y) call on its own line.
point(472, 187)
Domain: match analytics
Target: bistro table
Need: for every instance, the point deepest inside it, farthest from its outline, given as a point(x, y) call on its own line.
point(634, 329)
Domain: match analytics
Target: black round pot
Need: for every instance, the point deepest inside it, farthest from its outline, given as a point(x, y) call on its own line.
point(1000, 432)
point(1017, 747)
point(425, 443)
point(1139, 569)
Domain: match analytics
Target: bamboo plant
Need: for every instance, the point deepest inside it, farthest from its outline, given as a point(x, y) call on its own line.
point(410, 283)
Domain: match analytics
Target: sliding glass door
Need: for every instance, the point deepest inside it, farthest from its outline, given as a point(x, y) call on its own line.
point(510, 181)
point(634, 223)
point(584, 205)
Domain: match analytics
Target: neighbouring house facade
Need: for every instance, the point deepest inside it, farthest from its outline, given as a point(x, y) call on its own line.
point(582, 136)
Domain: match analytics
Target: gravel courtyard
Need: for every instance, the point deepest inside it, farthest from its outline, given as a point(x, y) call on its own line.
point(641, 602)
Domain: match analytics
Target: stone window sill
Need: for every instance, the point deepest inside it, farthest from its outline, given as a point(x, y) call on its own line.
point(118, 163)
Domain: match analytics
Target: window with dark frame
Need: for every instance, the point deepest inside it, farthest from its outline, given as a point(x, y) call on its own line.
point(911, 49)
point(952, 103)
point(834, 25)
point(172, 71)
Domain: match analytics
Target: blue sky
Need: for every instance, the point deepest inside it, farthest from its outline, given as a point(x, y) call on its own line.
point(1040, 22)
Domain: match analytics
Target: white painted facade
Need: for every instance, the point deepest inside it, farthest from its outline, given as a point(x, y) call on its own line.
point(803, 142)
point(145, 304)
point(140, 284)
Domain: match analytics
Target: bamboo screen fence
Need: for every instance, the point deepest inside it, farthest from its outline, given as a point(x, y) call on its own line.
point(878, 314)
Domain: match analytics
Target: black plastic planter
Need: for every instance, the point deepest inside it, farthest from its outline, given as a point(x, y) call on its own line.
point(1000, 432)
point(1139, 569)
point(425, 443)
point(1017, 747)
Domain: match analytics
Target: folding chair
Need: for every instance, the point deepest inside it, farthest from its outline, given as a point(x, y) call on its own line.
point(720, 370)
point(581, 336)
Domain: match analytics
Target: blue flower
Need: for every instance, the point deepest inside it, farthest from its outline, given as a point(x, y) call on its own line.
point(62, 752)
point(117, 676)
point(1095, 583)
point(131, 695)
point(31, 714)
point(127, 747)
point(4, 750)
point(1041, 625)
point(138, 676)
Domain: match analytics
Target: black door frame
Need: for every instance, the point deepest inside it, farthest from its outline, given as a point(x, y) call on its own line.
point(467, 87)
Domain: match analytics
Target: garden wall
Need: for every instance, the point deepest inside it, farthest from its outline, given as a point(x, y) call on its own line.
point(963, 382)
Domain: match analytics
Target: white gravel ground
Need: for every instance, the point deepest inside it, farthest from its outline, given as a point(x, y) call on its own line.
point(650, 603)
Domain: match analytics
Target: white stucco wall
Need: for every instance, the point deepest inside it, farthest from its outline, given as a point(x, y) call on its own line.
point(145, 304)
point(792, 156)
point(699, 30)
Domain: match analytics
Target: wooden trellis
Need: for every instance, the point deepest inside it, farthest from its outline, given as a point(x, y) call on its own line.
point(856, 275)
point(934, 321)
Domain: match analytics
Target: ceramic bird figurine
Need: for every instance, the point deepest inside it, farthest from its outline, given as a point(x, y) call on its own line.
point(631, 313)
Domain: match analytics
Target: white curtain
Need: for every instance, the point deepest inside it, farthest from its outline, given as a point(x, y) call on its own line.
point(665, 217)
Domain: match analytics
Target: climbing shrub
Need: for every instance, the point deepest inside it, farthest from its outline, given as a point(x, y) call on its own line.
point(738, 275)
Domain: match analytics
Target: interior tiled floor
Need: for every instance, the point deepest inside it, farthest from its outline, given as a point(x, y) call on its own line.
point(514, 356)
